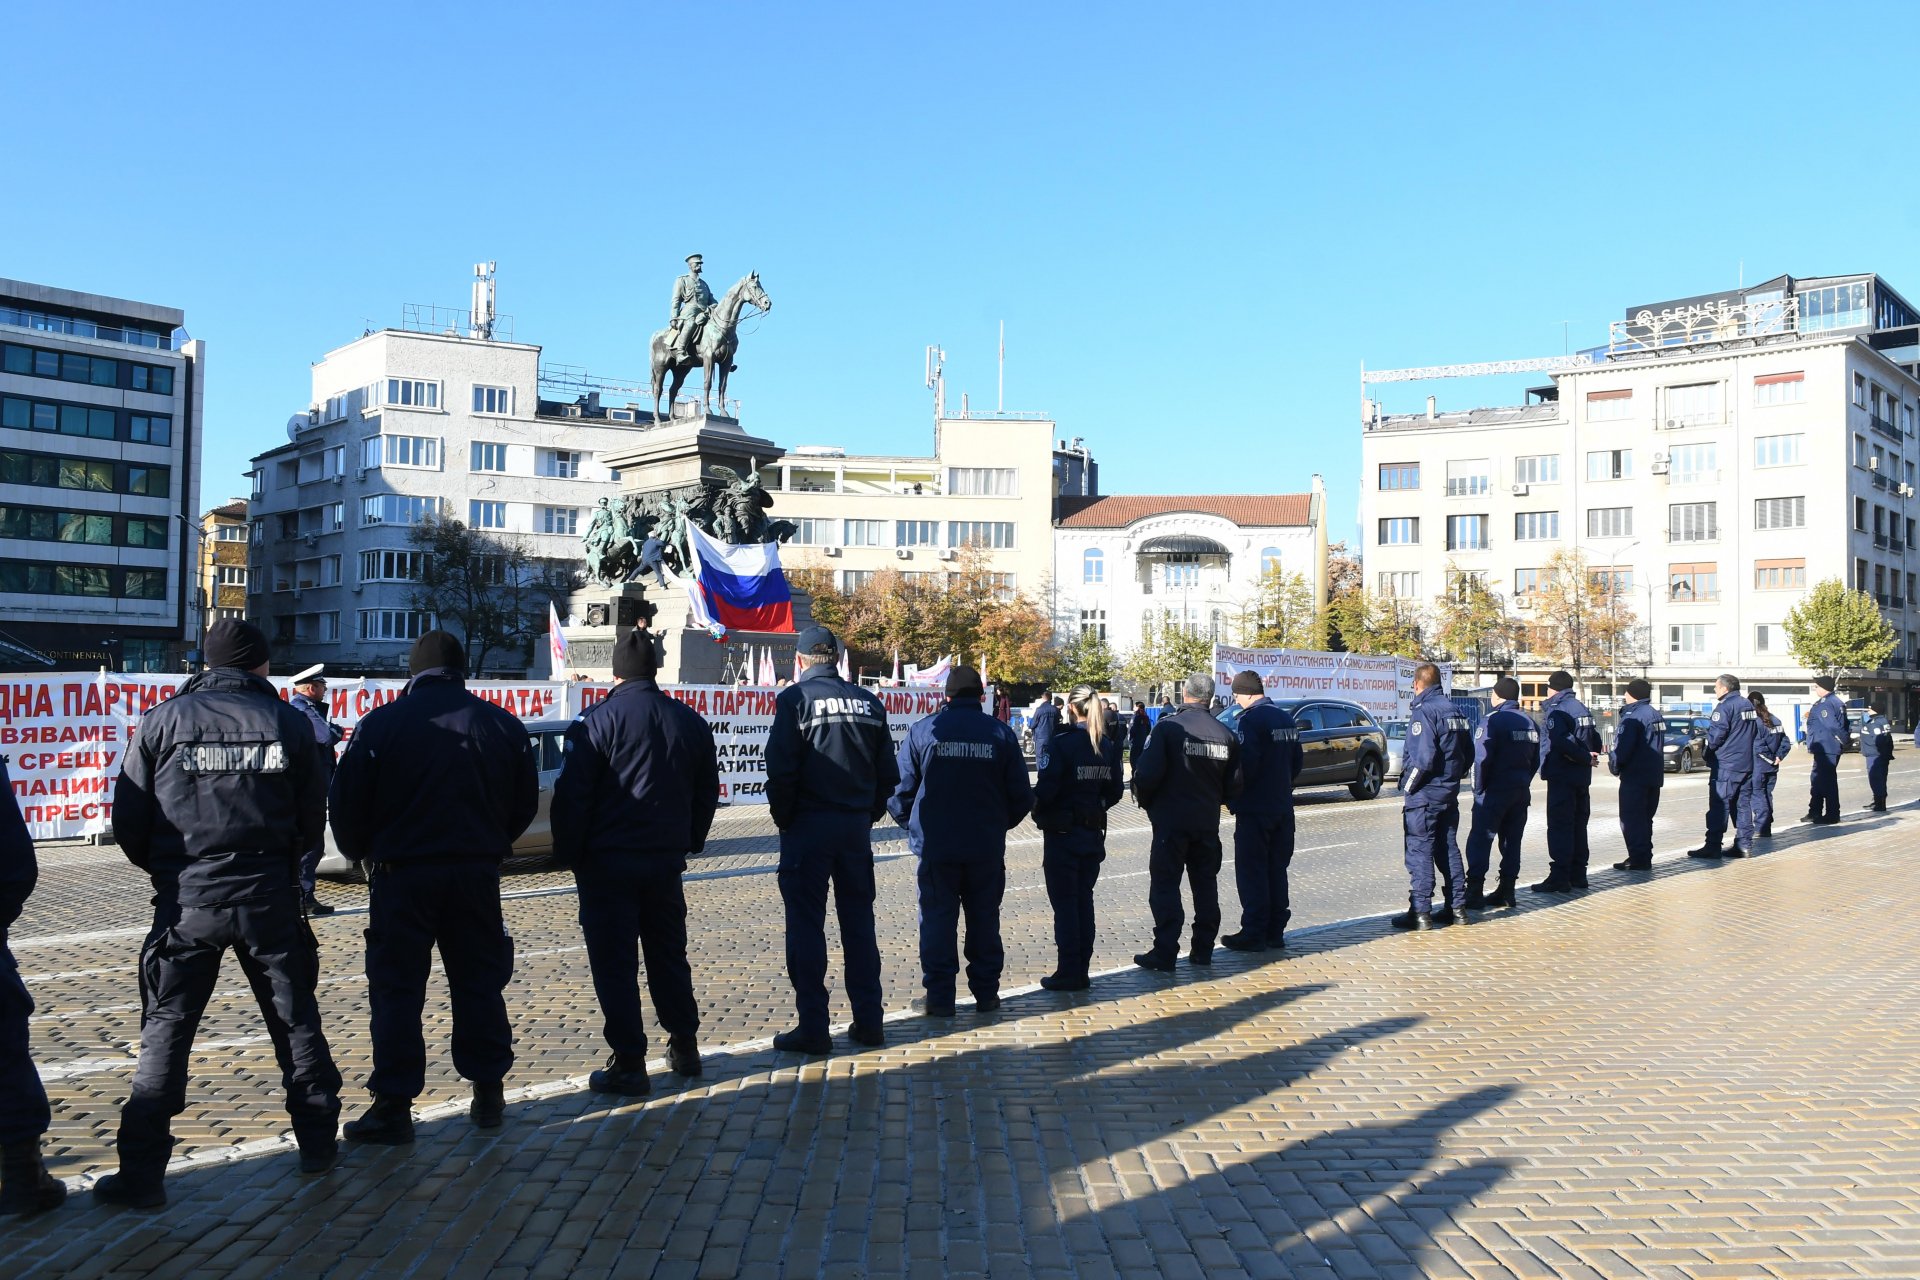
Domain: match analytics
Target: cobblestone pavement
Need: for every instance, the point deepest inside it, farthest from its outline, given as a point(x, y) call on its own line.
point(1712, 1073)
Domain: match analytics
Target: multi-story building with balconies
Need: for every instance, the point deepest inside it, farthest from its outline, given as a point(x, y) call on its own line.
point(223, 563)
point(1718, 457)
point(100, 406)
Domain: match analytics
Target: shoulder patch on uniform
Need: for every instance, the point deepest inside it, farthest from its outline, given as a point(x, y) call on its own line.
point(1414, 728)
point(1716, 717)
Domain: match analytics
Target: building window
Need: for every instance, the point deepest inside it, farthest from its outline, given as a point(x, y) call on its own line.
point(1764, 636)
point(88, 421)
point(1269, 560)
point(1468, 479)
point(916, 533)
point(392, 566)
point(814, 531)
point(1780, 388)
point(413, 393)
point(1688, 639)
point(48, 471)
point(1692, 522)
point(1688, 583)
point(232, 575)
point(1859, 574)
point(486, 515)
point(1002, 585)
point(1610, 464)
point(400, 451)
point(560, 520)
point(983, 482)
point(1400, 531)
point(854, 579)
point(144, 584)
point(1610, 581)
point(1539, 468)
point(1860, 390)
point(494, 400)
point(150, 428)
point(1693, 405)
point(1528, 582)
point(489, 457)
point(1093, 567)
point(1609, 406)
point(230, 533)
point(1466, 533)
point(395, 508)
point(1536, 526)
point(996, 534)
point(1093, 622)
point(1181, 569)
point(1778, 451)
point(1400, 585)
point(865, 533)
point(1610, 522)
point(1835, 306)
point(560, 464)
point(1694, 464)
point(142, 532)
point(394, 624)
point(1780, 513)
point(1859, 515)
point(1399, 475)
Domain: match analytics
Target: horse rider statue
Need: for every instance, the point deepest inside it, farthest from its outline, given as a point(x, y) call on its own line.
point(687, 313)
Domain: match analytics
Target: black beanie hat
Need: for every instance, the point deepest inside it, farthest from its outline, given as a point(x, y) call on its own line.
point(1248, 682)
point(1506, 688)
point(964, 682)
point(1825, 682)
point(1560, 681)
point(436, 649)
point(233, 643)
point(1640, 690)
point(633, 656)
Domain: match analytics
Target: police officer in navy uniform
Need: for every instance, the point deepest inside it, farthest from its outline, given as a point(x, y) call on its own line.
point(1567, 762)
point(1638, 758)
point(1714, 846)
point(1769, 749)
point(1506, 751)
point(1138, 728)
point(1079, 780)
point(1733, 732)
point(1438, 752)
point(1876, 748)
point(830, 770)
point(219, 795)
point(1046, 723)
point(1827, 735)
point(637, 791)
point(963, 786)
point(434, 789)
point(25, 1184)
point(1270, 760)
point(1191, 767)
point(309, 698)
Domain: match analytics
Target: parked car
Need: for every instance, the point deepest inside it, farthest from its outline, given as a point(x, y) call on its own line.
point(1339, 743)
point(535, 843)
point(1396, 731)
point(1685, 749)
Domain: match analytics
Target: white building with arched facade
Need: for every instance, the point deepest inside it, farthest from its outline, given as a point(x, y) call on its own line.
point(1121, 560)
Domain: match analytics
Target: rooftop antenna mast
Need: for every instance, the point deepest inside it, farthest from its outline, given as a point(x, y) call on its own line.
point(1000, 395)
point(937, 380)
point(483, 309)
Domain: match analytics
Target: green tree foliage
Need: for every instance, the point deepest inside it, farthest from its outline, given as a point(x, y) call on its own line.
point(488, 590)
point(1368, 623)
point(1836, 628)
point(1085, 659)
point(1282, 613)
point(1167, 653)
point(1471, 623)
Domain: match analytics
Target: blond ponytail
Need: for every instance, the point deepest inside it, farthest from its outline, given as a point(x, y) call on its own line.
point(1090, 711)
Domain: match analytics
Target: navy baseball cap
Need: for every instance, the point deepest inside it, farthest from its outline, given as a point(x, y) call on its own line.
point(816, 640)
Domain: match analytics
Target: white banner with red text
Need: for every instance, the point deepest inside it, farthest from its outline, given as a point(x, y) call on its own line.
point(1384, 686)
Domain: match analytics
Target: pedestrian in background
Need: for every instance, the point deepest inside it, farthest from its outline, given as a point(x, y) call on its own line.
point(1137, 730)
point(1079, 780)
point(1769, 750)
point(637, 791)
point(25, 1184)
point(1827, 735)
point(434, 789)
point(1190, 769)
point(1046, 722)
point(1732, 735)
point(1876, 748)
point(963, 786)
point(1270, 760)
point(309, 698)
point(1438, 752)
point(1506, 753)
point(1638, 758)
point(219, 796)
point(1567, 763)
point(830, 771)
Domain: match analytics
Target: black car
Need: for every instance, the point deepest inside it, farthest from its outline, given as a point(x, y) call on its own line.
point(1685, 749)
point(1339, 743)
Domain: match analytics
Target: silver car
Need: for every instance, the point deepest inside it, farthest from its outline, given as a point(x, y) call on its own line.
point(535, 842)
point(1396, 745)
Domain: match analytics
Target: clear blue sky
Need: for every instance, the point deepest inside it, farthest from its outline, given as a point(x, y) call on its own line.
point(1195, 220)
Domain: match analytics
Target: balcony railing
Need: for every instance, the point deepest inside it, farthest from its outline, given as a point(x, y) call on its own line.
point(1899, 602)
point(1885, 426)
point(1880, 540)
point(1880, 480)
point(23, 319)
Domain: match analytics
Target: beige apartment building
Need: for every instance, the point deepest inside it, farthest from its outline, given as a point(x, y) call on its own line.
point(223, 563)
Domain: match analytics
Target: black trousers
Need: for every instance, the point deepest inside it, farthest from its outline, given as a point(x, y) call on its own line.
point(1070, 864)
point(821, 851)
point(947, 891)
point(625, 911)
point(1262, 852)
point(456, 907)
point(24, 1114)
point(1498, 815)
point(1195, 855)
point(1639, 802)
point(1569, 807)
point(179, 964)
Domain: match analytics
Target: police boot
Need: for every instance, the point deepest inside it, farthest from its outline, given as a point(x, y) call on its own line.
point(25, 1184)
point(1418, 916)
point(388, 1122)
point(683, 1054)
point(1243, 941)
point(1502, 896)
point(315, 907)
point(1066, 978)
point(1708, 850)
point(1766, 829)
point(489, 1107)
point(627, 1076)
point(132, 1189)
point(1444, 913)
point(1556, 882)
point(1630, 865)
point(1476, 891)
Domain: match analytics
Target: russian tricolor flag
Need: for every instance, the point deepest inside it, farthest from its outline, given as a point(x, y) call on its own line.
point(743, 587)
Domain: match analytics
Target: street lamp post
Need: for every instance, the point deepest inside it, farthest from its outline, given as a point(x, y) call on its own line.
point(195, 604)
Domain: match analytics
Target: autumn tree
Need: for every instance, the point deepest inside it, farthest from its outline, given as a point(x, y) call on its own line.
point(1282, 613)
point(1836, 628)
point(1167, 654)
point(1381, 625)
point(1584, 621)
point(489, 590)
point(1471, 621)
point(1086, 659)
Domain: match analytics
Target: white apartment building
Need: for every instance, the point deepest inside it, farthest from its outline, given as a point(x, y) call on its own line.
point(1122, 560)
point(991, 482)
point(403, 424)
point(100, 411)
point(1719, 457)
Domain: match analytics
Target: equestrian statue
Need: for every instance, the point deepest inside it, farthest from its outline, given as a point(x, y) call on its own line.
point(702, 333)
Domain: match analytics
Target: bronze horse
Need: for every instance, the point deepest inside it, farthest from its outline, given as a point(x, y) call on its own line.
point(719, 340)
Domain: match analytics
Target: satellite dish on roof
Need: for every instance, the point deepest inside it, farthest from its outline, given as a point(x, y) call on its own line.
point(295, 425)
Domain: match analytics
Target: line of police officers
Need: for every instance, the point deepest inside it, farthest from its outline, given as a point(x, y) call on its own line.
point(225, 787)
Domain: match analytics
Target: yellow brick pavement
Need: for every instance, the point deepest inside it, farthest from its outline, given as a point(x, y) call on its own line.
point(1715, 1072)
